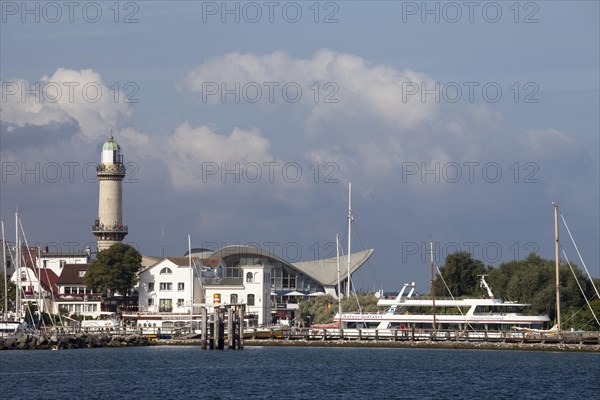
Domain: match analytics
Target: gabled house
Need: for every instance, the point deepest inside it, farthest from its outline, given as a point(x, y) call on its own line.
point(166, 286)
point(73, 295)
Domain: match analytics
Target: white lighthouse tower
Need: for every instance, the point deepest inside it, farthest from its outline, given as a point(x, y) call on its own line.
point(108, 227)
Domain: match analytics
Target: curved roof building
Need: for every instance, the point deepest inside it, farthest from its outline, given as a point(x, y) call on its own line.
point(306, 277)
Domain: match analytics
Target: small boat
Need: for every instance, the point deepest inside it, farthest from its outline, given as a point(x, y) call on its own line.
point(11, 328)
point(106, 321)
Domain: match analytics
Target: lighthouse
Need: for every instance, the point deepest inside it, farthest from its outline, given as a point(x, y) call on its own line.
point(108, 227)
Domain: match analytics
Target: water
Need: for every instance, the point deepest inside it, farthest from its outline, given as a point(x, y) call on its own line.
point(297, 373)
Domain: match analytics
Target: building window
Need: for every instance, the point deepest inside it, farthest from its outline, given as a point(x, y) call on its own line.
point(81, 273)
point(165, 305)
point(179, 302)
point(249, 277)
point(250, 299)
point(233, 298)
point(166, 286)
point(180, 286)
point(151, 286)
point(62, 263)
point(150, 301)
point(166, 271)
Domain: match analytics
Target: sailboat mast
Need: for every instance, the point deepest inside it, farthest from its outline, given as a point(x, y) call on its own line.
point(337, 254)
point(349, 235)
point(556, 264)
point(18, 267)
point(191, 280)
point(433, 285)
point(5, 315)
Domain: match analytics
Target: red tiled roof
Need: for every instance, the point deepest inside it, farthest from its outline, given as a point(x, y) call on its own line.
point(49, 279)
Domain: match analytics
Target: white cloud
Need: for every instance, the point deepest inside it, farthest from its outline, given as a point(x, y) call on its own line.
point(199, 157)
point(67, 95)
point(333, 85)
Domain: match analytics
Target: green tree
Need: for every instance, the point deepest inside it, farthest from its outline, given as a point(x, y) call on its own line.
point(12, 293)
point(460, 272)
point(114, 270)
point(533, 280)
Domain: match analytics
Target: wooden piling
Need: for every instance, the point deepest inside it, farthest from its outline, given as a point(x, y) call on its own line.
point(204, 327)
point(230, 330)
point(241, 328)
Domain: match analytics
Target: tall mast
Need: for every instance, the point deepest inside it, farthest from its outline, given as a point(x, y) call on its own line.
point(349, 234)
point(191, 279)
point(18, 267)
point(337, 254)
point(556, 264)
point(433, 286)
point(5, 315)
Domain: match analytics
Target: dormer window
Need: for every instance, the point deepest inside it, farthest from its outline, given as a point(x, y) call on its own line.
point(166, 271)
point(81, 273)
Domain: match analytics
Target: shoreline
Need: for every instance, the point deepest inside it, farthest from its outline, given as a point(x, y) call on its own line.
point(77, 341)
point(422, 344)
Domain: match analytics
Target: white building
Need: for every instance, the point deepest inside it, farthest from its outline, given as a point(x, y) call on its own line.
point(166, 286)
point(254, 291)
point(73, 296)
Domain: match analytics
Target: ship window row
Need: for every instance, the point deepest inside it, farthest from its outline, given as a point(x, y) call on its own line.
point(495, 310)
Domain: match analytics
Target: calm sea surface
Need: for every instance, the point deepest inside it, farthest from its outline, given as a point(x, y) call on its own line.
point(297, 373)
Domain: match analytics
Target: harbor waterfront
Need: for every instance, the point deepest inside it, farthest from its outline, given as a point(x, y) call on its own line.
point(549, 341)
point(297, 373)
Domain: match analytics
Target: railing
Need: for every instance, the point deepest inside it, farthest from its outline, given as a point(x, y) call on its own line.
point(398, 335)
point(115, 227)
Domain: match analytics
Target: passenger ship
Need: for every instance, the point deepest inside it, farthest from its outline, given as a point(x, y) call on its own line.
point(485, 314)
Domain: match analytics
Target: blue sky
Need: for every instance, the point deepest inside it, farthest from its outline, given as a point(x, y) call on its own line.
point(457, 122)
